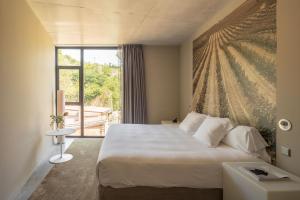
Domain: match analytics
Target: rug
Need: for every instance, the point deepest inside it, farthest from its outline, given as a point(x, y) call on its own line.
point(75, 179)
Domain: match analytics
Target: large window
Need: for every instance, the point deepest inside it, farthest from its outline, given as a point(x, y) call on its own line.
point(90, 79)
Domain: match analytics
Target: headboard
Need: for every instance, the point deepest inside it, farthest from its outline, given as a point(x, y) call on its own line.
point(234, 68)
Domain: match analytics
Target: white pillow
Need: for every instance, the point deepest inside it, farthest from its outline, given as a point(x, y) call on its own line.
point(213, 130)
point(245, 138)
point(191, 122)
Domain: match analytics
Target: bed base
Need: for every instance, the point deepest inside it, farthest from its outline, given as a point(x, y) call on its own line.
point(153, 193)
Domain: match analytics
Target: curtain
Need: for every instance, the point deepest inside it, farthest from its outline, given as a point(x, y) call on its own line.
point(134, 90)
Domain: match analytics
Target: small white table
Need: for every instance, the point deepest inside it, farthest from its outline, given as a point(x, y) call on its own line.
point(168, 122)
point(60, 158)
point(239, 185)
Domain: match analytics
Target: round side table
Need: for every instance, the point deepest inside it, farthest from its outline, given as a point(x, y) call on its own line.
point(62, 157)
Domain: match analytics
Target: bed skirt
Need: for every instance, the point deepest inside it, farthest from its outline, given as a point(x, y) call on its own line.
point(153, 193)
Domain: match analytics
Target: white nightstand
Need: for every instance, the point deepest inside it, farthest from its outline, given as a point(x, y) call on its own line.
point(239, 185)
point(168, 122)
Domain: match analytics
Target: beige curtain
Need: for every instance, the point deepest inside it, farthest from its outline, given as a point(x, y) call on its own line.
point(134, 90)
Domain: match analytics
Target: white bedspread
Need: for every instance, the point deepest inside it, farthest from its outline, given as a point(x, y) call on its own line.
point(161, 156)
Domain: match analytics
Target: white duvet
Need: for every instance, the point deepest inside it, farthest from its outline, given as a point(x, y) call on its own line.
point(161, 156)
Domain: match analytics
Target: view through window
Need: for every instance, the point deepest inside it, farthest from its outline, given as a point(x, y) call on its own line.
point(90, 78)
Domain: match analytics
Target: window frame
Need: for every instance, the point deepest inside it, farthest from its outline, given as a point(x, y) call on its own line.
point(81, 81)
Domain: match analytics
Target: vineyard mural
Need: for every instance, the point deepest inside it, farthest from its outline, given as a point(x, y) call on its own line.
point(234, 68)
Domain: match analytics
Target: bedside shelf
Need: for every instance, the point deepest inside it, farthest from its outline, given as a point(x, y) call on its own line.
point(239, 185)
point(168, 122)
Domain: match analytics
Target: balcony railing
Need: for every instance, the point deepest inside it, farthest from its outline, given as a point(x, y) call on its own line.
point(96, 119)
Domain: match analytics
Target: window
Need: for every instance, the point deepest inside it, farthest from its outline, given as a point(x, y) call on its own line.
point(90, 78)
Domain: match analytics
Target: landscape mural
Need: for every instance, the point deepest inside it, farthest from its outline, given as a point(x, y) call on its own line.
point(234, 68)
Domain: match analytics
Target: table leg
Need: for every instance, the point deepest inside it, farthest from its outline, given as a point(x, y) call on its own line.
point(60, 158)
point(61, 151)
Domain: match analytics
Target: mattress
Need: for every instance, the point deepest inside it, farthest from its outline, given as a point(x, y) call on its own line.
point(161, 156)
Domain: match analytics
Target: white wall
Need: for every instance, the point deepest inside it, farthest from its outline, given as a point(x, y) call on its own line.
point(186, 78)
point(27, 85)
point(288, 82)
point(162, 82)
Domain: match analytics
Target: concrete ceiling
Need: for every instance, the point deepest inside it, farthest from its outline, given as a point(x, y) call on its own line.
point(111, 22)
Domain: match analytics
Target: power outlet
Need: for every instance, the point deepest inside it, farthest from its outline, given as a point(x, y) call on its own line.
point(286, 151)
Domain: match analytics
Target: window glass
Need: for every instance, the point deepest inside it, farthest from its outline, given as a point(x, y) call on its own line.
point(68, 57)
point(69, 83)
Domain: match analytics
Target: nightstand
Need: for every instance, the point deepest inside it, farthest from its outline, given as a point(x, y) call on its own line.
point(239, 185)
point(168, 122)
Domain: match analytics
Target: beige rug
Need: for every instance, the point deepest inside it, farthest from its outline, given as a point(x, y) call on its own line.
point(75, 179)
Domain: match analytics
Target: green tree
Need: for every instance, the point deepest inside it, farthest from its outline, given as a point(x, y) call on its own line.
point(101, 83)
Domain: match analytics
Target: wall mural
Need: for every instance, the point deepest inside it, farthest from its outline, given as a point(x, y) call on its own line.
point(234, 68)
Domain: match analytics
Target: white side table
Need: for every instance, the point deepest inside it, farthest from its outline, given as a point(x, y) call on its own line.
point(239, 185)
point(60, 158)
point(168, 122)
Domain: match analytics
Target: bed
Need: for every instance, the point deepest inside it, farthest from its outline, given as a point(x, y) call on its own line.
point(160, 162)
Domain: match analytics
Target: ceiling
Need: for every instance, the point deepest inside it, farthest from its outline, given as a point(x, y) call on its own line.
point(112, 22)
